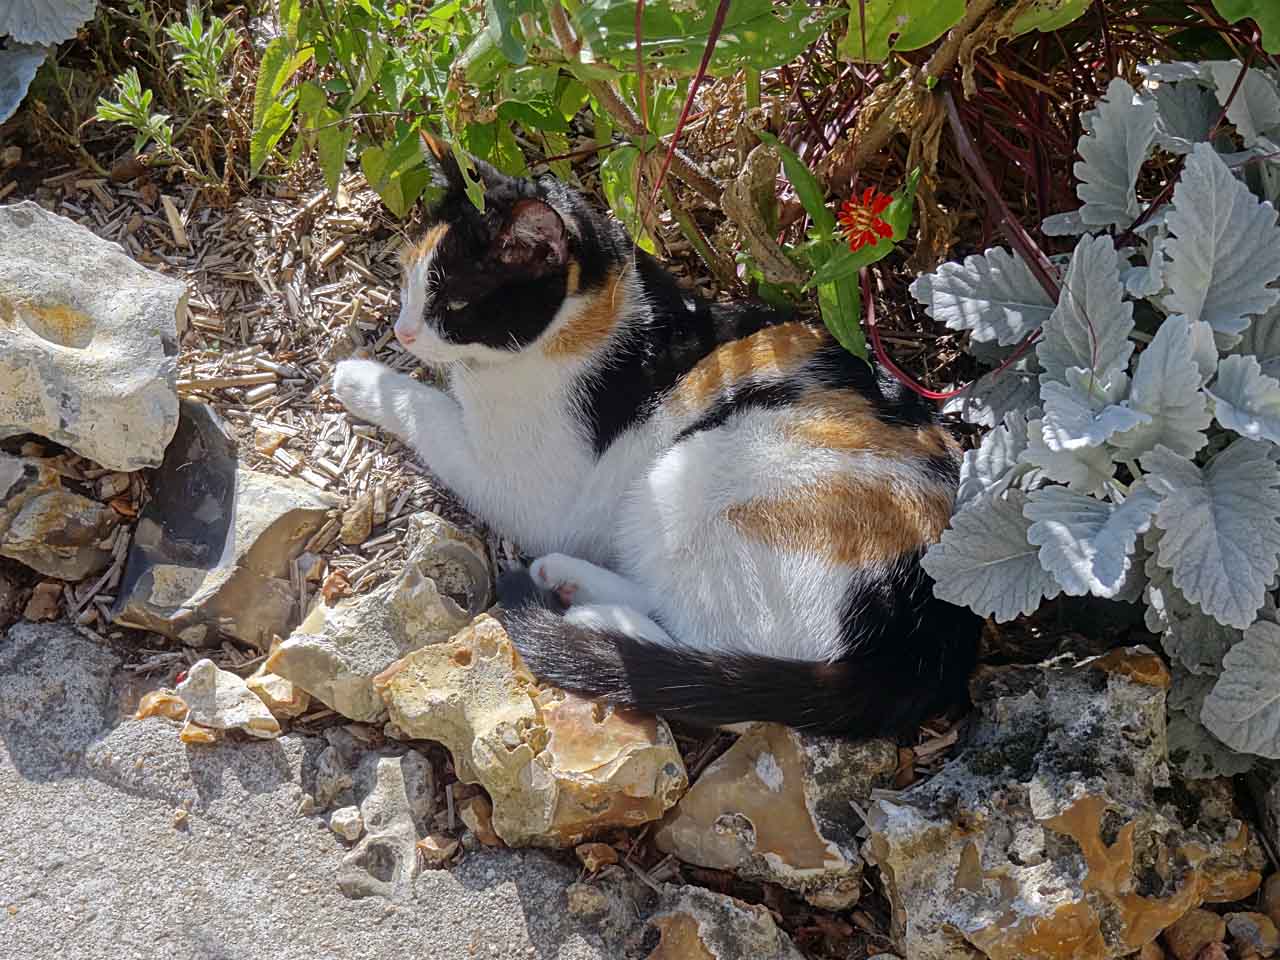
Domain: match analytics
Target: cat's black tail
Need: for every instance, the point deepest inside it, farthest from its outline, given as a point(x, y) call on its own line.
point(883, 691)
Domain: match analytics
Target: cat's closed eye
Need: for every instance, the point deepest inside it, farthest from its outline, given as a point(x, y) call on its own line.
point(456, 305)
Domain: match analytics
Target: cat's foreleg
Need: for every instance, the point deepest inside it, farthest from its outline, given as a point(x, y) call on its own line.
point(579, 582)
point(426, 419)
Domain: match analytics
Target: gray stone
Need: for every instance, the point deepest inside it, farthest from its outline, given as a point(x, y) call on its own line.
point(775, 807)
point(88, 341)
point(385, 861)
point(337, 651)
point(55, 694)
point(212, 551)
point(347, 823)
point(54, 531)
point(1054, 833)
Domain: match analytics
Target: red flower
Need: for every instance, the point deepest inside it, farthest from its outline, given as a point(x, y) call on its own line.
point(860, 221)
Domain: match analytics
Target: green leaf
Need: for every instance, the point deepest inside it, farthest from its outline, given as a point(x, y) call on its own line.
point(1049, 15)
point(311, 99)
point(617, 178)
point(290, 14)
point(504, 29)
point(534, 115)
point(1265, 13)
point(397, 173)
point(267, 134)
point(841, 306)
point(897, 25)
point(810, 192)
point(481, 60)
point(279, 63)
point(370, 67)
point(474, 188)
point(846, 262)
point(332, 140)
point(762, 34)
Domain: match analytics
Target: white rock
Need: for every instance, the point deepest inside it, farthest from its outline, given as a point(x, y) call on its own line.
point(88, 341)
point(347, 823)
point(219, 700)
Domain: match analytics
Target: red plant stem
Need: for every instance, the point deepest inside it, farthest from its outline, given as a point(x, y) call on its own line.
point(877, 346)
point(717, 25)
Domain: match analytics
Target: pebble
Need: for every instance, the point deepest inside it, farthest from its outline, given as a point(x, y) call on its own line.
point(347, 823)
point(1254, 934)
point(1193, 932)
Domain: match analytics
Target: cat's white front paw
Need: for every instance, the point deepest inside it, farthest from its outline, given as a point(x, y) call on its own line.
point(360, 385)
point(559, 573)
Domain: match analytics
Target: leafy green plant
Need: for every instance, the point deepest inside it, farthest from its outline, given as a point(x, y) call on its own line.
point(201, 50)
point(1134, 455)
point(133, 109)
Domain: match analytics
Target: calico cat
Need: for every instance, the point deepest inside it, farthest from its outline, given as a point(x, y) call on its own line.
point(731, 506)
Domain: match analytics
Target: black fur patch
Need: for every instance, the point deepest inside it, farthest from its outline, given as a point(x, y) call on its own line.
point(682, 330)
point(833, 366)
point(751, 393)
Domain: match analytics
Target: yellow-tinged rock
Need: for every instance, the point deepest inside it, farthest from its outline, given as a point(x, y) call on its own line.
point(219, 700)
point(161, 703)
point(282, 697)
point(1194, 931)
point(557, 767)
point(593, 856)
point(775, 807)
point(435, 849)
point(477, 813)
point(693, 923)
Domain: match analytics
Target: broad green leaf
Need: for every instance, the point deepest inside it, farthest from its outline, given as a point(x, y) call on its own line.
point(1265, 13)
point(500, 15)
point(311, 99)
point(1085, 411)
point(266, 135)
point(993, 295)
point(1083, 469)
point(1221, 527)
point(534, 115)
point(1246, 400)
point(618, 180)
point(279, 63)
point(1118, 135)
point(396, 172)
point(896, 25)
point(1166, 387)
point(1186, 114)
point(763, 34)
point(369, 68)
point(481, 62)
point(1255, 109)
point(1225, 249)
point(44, 22)
point(1091, 324)
point(332, 139)
point(993, 465)
point(1049, 15)
point(1243, 709)
point(1087, 544)
point(812, 196)
point(840, 303)
point(471, 183)
point(985, 563)
point(290, 13)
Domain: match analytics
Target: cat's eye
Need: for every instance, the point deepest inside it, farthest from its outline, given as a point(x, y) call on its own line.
point(456, 305)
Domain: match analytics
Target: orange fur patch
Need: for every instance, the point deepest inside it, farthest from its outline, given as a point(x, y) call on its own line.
point(434, 145)
point(774, 350)
point(852, 523)
point(430, 240)
point(589, 327)
point(845, 420)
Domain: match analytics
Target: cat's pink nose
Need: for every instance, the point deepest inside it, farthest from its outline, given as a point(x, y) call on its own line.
point(405, 336)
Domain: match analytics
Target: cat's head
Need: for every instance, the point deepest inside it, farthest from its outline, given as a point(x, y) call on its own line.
point(485, 286)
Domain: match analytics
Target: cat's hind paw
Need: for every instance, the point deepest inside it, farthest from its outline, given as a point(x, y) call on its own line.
point(361, 385)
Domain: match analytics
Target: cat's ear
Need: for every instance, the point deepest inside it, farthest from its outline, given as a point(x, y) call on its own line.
point(441, 161)
point(533, 239)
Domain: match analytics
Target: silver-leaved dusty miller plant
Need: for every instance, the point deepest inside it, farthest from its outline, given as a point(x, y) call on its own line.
point(1133, 454)
point(29, 29)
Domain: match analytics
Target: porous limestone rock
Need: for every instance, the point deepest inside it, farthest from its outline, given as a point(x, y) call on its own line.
point(212, 551)
point(775, 807)
point(218, 700)
point(54, 531)
point(347, 823)
point(1057, 834)
point(693, 923)
point(88, 341)
point(336, 651)
point(397, 792)
point(557, 767)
